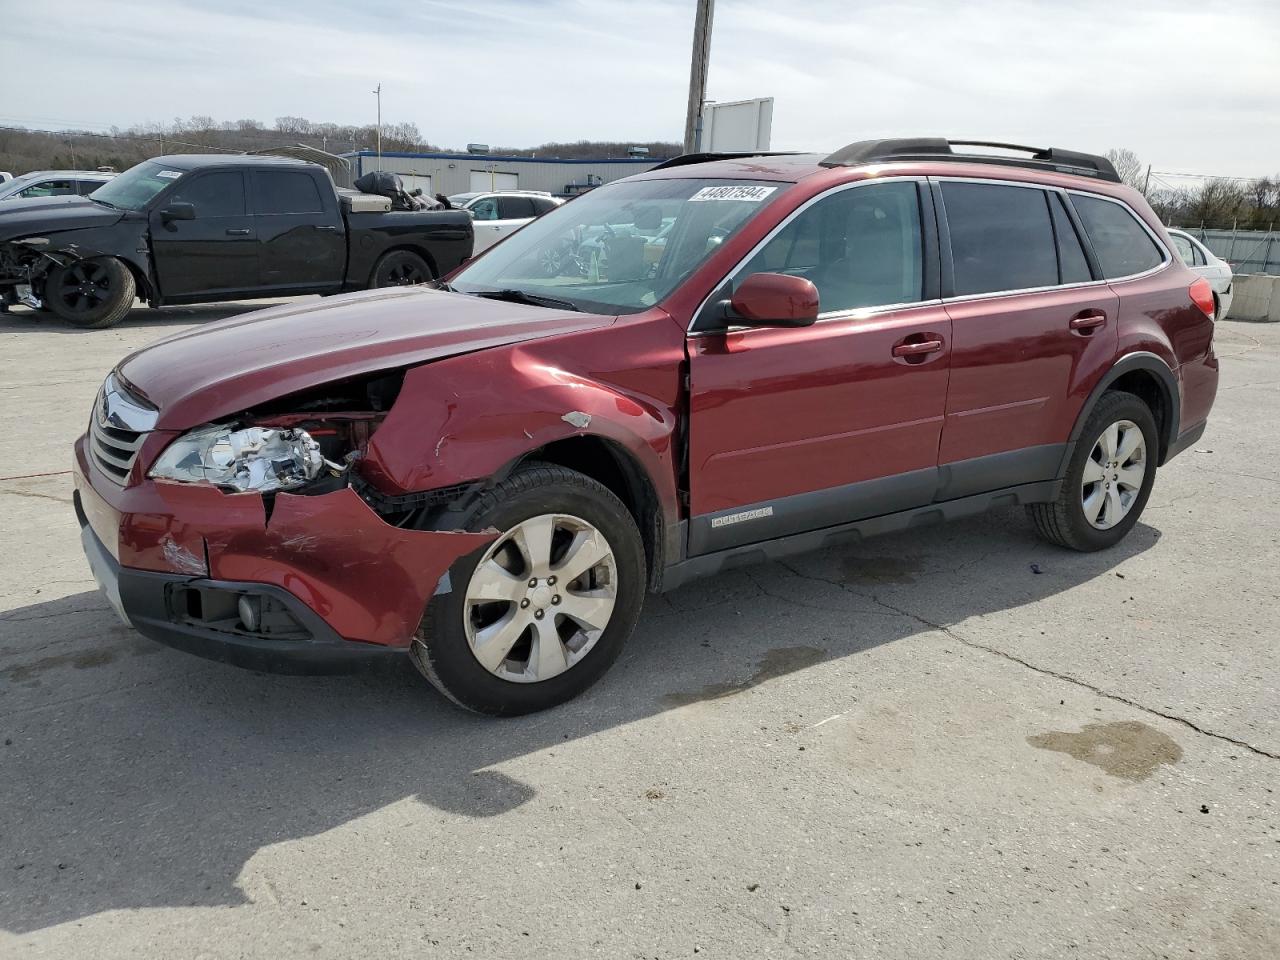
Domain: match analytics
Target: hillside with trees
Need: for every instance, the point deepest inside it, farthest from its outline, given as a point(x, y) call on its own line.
point(22, 150)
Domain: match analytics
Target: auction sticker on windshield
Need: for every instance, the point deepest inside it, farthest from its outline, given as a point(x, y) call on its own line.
point(748, 193)
point(170, 174)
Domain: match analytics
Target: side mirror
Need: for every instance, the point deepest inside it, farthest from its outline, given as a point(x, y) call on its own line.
point(179, 210)
point(773, 300)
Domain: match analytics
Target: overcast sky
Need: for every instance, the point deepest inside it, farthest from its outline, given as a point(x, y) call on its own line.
point(1190, 86)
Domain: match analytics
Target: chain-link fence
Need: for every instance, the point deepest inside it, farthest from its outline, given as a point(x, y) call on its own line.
point(1248, 251)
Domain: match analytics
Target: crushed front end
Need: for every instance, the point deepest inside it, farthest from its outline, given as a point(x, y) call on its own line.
point(255, 540)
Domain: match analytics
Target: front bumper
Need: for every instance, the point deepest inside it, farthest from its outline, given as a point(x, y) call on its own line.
point(354, 586)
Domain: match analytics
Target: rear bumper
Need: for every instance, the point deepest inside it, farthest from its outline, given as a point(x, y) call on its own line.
point(348, 585)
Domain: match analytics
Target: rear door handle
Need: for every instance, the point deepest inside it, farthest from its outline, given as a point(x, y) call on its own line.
point(238, 233)
point(1088, 321)
point(328, 227)
point(917, 349)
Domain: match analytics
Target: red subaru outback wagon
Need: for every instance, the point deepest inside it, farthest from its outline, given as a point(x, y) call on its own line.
point(724, 359)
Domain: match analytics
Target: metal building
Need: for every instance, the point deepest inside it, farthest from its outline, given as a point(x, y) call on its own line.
point(451, 173)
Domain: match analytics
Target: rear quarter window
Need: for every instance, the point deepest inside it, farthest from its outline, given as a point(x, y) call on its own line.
point(1120, 243)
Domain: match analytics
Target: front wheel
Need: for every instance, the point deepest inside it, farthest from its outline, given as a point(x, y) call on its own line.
point(399, 268)
point(1108, 480)
point(93, 293)
point(540, 614)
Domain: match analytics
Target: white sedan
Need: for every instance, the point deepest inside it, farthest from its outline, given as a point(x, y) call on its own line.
point(502, 213)
point(1214, 269)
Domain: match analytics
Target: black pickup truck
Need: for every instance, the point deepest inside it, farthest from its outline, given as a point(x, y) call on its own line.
point(190, 229)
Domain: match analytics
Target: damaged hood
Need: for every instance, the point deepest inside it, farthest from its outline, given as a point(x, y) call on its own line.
point(231, 365)
point(35, 216)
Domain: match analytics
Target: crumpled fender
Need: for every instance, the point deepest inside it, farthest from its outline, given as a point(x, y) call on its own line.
point(466, 418)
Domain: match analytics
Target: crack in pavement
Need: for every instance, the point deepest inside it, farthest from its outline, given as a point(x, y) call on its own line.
point(1045, 671)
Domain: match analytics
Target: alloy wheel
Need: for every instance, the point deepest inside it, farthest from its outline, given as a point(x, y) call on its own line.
point(540, 598)
point(84, 286)
point(1113, 474)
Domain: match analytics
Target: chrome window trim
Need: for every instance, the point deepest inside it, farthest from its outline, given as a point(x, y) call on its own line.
point(862, 312)
point(782, 225)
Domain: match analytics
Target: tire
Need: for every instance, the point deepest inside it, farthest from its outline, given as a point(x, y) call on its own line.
point(95, 293)
point(1217, 307)
point(399, 268)
point(1066, 521)
point(581, 513)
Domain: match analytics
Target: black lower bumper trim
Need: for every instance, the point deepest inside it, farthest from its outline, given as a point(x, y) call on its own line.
point(147, 601)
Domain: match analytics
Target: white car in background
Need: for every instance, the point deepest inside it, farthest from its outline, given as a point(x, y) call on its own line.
point(53, 183)
point(1214, 269)
point(500, 213)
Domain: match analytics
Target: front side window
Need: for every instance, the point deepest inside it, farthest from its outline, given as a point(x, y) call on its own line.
point(218, 194)
point(49, 188)
point(486, 209)
point(281, 192)
point(623, 247)
point(1001, 238)
point(860, 247)
point(1122, 246)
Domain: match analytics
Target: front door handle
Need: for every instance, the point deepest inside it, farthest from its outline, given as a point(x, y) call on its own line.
point(328, 227)
point(238, 233)
point(917, 349)
point(1089, 321)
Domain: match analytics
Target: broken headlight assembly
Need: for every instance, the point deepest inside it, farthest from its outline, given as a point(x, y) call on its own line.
point(250, 458)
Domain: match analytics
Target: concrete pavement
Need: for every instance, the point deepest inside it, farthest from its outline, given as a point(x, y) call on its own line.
point(916, 748)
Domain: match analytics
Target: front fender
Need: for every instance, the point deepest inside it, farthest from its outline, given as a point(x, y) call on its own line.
point(126, 241)
point(469, 417)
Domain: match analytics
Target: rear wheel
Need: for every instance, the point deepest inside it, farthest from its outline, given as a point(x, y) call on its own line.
point(1108, 480)
point(540, 614)
point(93, 293)
point(399, 268)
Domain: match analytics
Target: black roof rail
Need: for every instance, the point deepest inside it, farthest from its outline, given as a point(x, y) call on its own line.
point(936, 148)
point(687, 158)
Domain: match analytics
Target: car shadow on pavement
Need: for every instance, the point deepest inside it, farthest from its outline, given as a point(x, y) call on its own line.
point(136, 776)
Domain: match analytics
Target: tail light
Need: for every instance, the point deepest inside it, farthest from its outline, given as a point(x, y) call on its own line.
point(1202, 296)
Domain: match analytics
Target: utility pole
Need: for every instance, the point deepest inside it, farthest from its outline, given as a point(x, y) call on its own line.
point(698, 75)
point(1147, 182)
point(378, 92)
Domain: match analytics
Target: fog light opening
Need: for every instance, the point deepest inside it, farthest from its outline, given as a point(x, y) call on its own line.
point(250, 609)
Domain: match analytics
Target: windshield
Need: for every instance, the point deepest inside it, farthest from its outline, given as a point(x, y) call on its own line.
point(134, 188)
point(621, 248)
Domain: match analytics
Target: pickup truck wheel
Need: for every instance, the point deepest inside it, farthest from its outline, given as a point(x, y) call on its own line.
point(1108, 480)
point(399, 268)
point(540, 614)
point(93, 293)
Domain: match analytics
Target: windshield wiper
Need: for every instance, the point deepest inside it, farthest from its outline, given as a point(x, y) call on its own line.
point(512, 295)
point(103, 202)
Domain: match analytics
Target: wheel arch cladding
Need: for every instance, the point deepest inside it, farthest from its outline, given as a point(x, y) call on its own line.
point(613, 466)
point(476, 416)
point(1147, 377)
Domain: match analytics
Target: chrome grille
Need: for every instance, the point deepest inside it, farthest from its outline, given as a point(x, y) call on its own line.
point(119, 424)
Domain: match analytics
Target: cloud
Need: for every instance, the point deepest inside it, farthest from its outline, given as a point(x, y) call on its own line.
point(1085, 74)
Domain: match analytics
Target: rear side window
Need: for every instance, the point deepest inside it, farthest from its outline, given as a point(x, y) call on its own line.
point(1073, 267)
point(515, 208)
point(279, 193)
point(213, 194)
point(86, 187)
point(1122, 247)
point(1183, 246)
point(1001, 238)
point(860, 247)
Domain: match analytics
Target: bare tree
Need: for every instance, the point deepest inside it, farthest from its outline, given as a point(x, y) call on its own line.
point(1130, 168)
